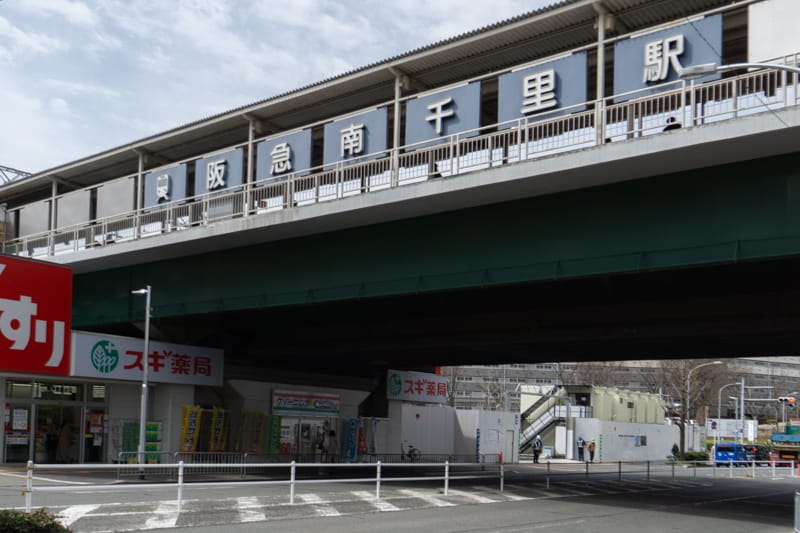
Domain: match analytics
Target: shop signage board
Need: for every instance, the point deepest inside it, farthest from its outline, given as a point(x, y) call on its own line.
point(35, 316)
point(416, 387)
point(286, 402)
point(113, 357)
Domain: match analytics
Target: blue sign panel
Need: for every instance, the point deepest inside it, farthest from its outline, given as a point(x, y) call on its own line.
point(164, 185)
point(433, 117)
point(656, 58)
point(531, 91)
point(356, 136)
point(284, 155)
point(219, 172)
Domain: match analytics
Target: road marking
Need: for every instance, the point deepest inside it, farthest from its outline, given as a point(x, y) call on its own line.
point(507, 495)
point(540, 493)
point(249, 509)
point(72, 514)
point(431, 499)
point(381, 505)
point(166, 515)
point(477, 498)
point(52, 480)
point(321, 506)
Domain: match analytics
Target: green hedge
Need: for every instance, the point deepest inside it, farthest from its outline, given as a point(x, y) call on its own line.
point(40, 521)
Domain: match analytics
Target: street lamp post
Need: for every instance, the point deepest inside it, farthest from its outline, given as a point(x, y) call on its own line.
point(698, 71)
point(143, 407)
point(689, 397)
point(719, 411)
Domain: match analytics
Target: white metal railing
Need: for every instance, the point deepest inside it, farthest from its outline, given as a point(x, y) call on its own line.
point(616, 118)
point(291, 480)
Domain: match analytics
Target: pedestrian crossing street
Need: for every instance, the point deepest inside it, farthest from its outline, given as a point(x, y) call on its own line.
point(139, 516)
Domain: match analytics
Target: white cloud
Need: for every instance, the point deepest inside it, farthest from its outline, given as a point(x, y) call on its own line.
point(80, 89)
point(17, 44)
point(77, 13)
point(119, 70)
point(60, 107)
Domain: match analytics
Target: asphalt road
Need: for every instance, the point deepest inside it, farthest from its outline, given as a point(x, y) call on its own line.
point(533, 500)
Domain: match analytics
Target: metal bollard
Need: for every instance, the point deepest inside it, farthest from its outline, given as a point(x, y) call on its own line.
point(619, 471)
point(797, 511)
point(180, 486)
point(446, 476)
point(291, 483)
point(29, 487)
point(378, 481)
point(502, 477)
point(648, 470)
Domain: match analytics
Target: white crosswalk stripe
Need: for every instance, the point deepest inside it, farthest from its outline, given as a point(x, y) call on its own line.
point(166, 515)
point(510, 496)
point(380, 505)
point(430, 498)
point(321, 507)
point(249, 509)
point(477, 498)
point(134, 516)
point(70, 515)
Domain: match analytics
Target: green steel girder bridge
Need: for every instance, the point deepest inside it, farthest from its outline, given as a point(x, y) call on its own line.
point(683, 244)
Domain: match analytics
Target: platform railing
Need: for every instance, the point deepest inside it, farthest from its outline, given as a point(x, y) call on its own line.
point(612, 119)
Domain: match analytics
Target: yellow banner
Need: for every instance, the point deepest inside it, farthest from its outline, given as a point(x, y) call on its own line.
point(191, 428)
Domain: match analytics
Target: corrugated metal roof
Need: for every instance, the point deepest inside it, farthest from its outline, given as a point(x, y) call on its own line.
point(557, 28)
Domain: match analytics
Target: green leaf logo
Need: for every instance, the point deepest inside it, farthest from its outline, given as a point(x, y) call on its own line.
point(395, 385)
point(105, 357)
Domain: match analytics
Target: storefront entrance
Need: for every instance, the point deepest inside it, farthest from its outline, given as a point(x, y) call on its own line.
point(54, 422)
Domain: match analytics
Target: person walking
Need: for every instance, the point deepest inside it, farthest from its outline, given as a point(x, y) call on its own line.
point(591, 447)
point(537, 448)
point(581, 443)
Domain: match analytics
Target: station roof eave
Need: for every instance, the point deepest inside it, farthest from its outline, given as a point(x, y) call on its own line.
point(559, 27)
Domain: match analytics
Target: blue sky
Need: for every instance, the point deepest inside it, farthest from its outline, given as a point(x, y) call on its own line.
point(82, 76)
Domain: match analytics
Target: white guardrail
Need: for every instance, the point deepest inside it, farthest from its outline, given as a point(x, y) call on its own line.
point(594, 123)
point(181, 468)
point(287, 473)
